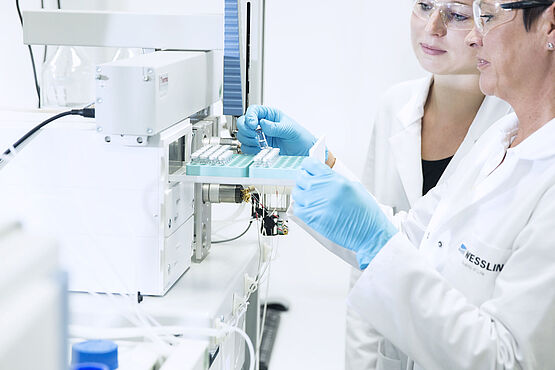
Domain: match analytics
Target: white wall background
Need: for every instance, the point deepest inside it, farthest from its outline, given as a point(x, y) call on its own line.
point(327, 63)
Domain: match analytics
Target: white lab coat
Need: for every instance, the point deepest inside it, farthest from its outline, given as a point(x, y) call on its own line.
point(469, 282)
point(393, 174)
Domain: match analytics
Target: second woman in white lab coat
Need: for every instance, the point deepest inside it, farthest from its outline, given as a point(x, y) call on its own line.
point(422, 130)
point(466, 278)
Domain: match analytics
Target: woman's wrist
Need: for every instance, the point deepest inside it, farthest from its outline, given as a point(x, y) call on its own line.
point(331, 160)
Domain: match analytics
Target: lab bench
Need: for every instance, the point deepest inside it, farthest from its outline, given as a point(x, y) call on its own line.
point(207, 292)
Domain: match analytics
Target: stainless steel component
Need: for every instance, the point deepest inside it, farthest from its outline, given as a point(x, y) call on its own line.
point(202, 133)
point(215, 125)
point(205, 195)
point(232, 126)
point(200, 116)
point(202, 238)
point(256, 40)
point(214, 120)
point(222, 141)
point(221, 193)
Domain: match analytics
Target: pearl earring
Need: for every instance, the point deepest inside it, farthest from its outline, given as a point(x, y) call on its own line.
point(550, 46)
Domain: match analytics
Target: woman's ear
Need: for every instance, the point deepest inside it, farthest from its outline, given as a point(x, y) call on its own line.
point(549, 18)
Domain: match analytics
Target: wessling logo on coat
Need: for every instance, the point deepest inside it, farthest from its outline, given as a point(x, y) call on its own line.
point(479, 261)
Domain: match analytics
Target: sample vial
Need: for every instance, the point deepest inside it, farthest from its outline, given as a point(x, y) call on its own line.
point(195, 157)
point(271, 157)
point(257, 160)
point(225, 157)
point(213, 159)
point(262, 142)
point(205, 157)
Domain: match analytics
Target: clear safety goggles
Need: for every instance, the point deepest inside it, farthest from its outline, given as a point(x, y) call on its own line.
point(455, 16)
point(489, 14)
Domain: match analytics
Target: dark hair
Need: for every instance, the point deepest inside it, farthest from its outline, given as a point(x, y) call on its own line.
point(532, 14)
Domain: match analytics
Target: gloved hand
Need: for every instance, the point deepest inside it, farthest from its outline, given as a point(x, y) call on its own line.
point(341, 210)
point(281, 132)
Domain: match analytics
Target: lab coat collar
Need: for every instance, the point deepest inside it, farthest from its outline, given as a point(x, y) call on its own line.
point(539, 145)
point(487, 154)
point(407, 154)
point(536, 147)
point(486, 116)
point(407, 144)
point(413, 111)
point(489, 113)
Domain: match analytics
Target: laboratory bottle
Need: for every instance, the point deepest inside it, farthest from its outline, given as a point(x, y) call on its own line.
point(67, 79)
point(126, 53)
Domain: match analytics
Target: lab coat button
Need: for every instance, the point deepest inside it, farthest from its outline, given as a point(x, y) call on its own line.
point(439, 244)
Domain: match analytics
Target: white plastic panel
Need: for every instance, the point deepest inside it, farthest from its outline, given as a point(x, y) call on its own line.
point(103, 202)
point(149, 93)
point(119, 29)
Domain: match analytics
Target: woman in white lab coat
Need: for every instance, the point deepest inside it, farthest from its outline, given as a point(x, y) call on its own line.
point(466, 278)
point(422, 130)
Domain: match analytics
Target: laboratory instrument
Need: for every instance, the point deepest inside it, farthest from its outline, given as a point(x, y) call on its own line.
point(115, 192)
point(124, 186)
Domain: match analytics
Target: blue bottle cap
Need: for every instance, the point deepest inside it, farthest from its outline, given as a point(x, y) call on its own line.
point(90, 366)
point(96, 351)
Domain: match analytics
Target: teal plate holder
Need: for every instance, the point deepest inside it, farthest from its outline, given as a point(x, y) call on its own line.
point(285, 167)
point(241, 165)
point(237, 167)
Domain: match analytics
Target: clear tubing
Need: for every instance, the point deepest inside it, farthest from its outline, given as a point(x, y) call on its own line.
point(133, 332)
point(128, 333)
point(248, 341)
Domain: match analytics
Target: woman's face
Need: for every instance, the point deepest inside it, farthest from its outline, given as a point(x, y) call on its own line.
point(440, 50)
point(506, 54)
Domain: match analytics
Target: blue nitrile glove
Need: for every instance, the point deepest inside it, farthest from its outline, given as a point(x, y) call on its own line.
point(341, 210)
point(281, 132)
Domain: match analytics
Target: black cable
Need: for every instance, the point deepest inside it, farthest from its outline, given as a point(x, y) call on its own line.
point(37, 87)
point(85, 112)
point(237, 237)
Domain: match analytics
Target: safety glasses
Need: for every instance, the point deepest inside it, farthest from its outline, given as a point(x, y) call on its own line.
point(489, 14)
point(455, 15)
